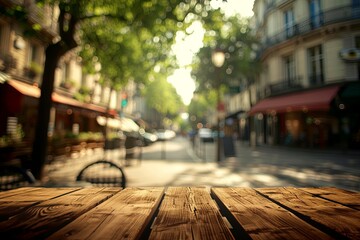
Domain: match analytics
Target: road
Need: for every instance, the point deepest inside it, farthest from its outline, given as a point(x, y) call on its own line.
point(177, 163)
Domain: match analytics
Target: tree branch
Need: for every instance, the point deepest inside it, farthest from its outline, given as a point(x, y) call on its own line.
point(112, 16)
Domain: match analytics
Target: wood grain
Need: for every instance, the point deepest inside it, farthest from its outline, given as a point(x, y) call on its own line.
point(333, 217)
point(179, 213)
point(15, 201)
point(263, 219)
point(344, 197)
point(16, 191)
point(124, 216)
point(48, 216)
point(189, 213)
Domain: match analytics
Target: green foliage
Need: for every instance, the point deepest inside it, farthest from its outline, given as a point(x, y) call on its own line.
point(162, 96)
point(130, 38)
point(93, 136)
point(233, 36)
point(84, 94)
point(20, 13)
point(13, 138)
point(36, 68)
point(202, 103)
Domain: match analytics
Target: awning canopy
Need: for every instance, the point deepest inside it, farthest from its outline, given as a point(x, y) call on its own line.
point(75, 103)
point(34, 91)
point(310, 100)
point(25, 89)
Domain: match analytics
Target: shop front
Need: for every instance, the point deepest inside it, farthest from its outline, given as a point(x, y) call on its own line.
point(302, 119)
point(67, 117)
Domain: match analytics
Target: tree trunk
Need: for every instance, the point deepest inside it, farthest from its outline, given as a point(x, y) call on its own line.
point(40, 144)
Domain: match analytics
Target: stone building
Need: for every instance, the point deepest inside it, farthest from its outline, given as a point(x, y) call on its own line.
point(308, 93)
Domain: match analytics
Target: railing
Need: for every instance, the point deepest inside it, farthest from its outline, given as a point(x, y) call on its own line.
point(41, 16)
point(285, 85)
point(337, 15)
point(36, 14)
point(270, 5)
point(274, 3)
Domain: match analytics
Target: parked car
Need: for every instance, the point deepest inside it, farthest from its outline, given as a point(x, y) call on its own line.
point(149, 138)
point(206, 135)
point(165, 134)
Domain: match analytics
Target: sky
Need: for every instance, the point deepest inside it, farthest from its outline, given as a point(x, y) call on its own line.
point(186, 47)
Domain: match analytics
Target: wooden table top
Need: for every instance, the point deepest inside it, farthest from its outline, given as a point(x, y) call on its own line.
point(180, 213)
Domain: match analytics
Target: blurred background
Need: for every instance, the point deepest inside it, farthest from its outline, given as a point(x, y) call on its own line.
point(217, 93)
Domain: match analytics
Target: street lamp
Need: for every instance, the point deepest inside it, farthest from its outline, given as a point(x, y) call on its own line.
point(218, 58)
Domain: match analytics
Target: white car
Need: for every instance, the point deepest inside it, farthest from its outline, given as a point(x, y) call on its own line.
point(164, 135)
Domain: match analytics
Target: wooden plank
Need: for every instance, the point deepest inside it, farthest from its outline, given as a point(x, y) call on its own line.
point(338, 220)
point(15, 201)
point(261, 218)
point(344, 197)
point(41, 220)
point(124, 216)
point(189, 213)
point(15, 191)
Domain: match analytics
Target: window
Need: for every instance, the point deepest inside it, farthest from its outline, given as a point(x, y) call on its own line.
point(316, 71)
point(289, 22)
point(315, 13)
point(355, 8)
point(66, 72)
point(289, 69)
point(32, 56)
point(355, 3)
point(357, 45)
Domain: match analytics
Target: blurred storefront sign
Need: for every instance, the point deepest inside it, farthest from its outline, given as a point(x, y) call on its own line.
point(350, 54)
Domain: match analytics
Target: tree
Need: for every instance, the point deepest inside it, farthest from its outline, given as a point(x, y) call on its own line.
point(200, 105)
point(233, 36)
point(154, 20)
point(162, 96)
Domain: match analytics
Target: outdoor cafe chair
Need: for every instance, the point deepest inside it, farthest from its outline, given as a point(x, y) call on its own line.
point(103, 173)
point(12, 177)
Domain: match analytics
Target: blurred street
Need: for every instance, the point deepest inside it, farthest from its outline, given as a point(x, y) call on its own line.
point(176, 163)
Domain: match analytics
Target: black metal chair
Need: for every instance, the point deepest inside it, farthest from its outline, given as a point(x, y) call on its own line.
point(103, 174)
point(12, 177)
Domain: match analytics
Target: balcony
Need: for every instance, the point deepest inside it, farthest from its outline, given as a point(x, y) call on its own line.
point(43, 16)
point(332, 16)
point(282, 86)
point(273, 4)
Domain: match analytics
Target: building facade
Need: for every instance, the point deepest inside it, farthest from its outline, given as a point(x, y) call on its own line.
point(308, 92)
point(78, 98)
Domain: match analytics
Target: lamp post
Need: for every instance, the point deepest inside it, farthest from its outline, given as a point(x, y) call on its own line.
point(218, 58)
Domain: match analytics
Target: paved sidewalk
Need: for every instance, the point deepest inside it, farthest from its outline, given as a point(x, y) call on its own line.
point(253, 167)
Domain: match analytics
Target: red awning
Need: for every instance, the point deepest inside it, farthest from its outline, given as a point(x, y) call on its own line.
point(311, 100)
point(25, 89)
point(75, 103)
point(34, 91)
